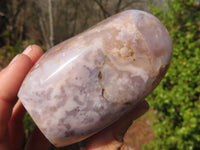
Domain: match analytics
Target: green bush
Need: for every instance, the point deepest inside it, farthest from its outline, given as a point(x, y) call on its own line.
point(177, 98)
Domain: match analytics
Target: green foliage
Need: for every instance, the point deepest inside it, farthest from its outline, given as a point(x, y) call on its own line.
point(14, 50)
point(9, 51)
point(177, 98)
point(6, 34)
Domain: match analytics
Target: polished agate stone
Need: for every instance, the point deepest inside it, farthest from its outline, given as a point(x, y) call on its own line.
point(86, 83)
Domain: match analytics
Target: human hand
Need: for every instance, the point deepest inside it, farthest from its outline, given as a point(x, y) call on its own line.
point(12, 112)
point(11, 109)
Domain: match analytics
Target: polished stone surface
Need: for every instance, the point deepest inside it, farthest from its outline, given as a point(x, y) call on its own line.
point(85, 83)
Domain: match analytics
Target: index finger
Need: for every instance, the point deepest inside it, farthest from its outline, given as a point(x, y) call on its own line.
point(10, 81)
point(13, 75)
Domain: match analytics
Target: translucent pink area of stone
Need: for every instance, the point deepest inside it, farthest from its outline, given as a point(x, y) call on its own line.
point(86, 83)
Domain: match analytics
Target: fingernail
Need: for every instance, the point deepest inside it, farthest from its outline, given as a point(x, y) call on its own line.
point(27, 50)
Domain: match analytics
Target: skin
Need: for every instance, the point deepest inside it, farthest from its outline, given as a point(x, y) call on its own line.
point(12, 111)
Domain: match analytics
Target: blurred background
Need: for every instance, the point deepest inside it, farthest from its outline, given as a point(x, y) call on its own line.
point(172, 122)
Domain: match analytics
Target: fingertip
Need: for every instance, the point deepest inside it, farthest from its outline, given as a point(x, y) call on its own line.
point(38, 49)
point(34, 52)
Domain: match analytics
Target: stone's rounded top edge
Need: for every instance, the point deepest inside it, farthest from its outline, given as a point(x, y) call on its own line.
point(136, 15)
point(134, 10)
point(137, 11)
point(150, 26)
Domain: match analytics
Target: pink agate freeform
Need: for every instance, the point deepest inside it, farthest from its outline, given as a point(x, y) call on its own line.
point(86, 83)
